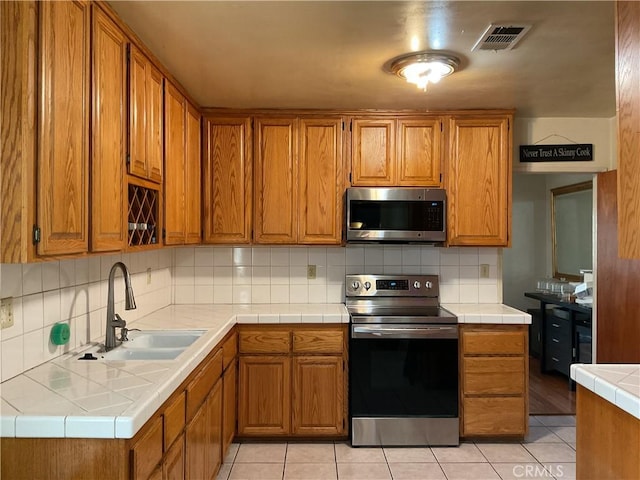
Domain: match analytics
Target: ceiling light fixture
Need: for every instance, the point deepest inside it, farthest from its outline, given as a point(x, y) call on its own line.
point(423, 68)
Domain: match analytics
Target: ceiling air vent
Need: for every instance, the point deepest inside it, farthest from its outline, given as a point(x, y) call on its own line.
point(501, 37)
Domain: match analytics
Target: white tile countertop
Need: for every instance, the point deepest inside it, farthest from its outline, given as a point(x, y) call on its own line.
point(617, 383)
point(495, 313)
point(99, 399)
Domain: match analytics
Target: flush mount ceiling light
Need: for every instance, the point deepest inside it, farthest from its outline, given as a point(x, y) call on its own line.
point(423, 68)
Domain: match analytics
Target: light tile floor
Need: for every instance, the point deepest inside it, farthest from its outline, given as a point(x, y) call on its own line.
point(547, 452)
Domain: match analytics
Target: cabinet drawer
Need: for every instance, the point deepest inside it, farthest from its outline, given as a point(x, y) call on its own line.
point(318, 341)
point(493, 342)
point(229, 350)
point(174, 420)
point(494, 416)
point(147, 452)
point(558, 358)
point(261, 341)
point(201, 385)
point(494, 376)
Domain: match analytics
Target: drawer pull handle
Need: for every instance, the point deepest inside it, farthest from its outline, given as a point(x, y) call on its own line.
point(555, 359)
point(555, 340)
point(555, 325)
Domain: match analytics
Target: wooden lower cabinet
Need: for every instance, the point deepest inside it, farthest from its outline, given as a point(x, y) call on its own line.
point(318, 395)
point(204, 438)
point(229, 405)
point(494, 384)
point(291, 381)
point(264, 395)
point(174, 461)
point(147, 452)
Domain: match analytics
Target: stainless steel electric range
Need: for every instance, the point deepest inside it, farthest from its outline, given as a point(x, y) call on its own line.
point(403, 362)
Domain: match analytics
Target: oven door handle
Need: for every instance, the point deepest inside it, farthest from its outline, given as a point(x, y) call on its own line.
point(402, 332)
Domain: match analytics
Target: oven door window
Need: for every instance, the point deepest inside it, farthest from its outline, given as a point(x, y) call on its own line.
point(404, 377)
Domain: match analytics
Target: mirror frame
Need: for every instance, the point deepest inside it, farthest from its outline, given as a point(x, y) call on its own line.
point(578, 187)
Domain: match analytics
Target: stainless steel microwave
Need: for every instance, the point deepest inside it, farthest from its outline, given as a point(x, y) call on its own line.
point(397, 214)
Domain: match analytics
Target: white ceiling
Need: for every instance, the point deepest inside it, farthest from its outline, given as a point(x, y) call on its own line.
point(330, 54)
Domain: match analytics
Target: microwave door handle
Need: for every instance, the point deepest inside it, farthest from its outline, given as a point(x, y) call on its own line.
point(404, 332)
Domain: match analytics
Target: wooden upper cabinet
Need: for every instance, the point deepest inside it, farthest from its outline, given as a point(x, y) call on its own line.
point(175, 166)
point(108, 133)
point(275, 182)
point(373, 159)
point(63, 124)
point(321, 181)
point(193, 189)
point(145, 117)
point(479, 181)
point(419, 152)
point(182, 167)
point(227, 180)
point(628, 106)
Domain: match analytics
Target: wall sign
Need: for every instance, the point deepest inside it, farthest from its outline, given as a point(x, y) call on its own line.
point(573, 152)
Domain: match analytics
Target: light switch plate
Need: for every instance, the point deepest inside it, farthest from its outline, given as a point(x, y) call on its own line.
point(6, 312)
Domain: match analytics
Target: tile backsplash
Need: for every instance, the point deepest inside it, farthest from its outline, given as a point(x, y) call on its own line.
point(279, 274)
point(75, 291)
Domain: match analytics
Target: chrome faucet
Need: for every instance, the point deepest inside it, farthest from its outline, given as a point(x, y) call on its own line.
point(113, 319)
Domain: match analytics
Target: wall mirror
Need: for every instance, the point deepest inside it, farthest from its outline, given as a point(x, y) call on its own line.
point(571, 230)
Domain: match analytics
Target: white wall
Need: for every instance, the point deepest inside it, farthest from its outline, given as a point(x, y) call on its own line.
point(601, 132)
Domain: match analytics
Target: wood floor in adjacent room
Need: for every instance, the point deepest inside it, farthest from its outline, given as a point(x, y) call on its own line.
point(549, 393)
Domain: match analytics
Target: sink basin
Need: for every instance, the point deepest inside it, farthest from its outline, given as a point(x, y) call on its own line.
point(161, 339)
point(142, 354)
point(146, 345)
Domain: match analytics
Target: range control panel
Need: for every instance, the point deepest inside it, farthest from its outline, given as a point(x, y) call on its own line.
point(392, 286)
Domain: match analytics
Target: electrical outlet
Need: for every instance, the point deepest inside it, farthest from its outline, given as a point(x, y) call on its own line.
point(6, 312)
point(311, 272)
point(484, 270)
point(148, 276)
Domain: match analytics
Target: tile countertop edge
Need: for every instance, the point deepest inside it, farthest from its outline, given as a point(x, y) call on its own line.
point(126, 424)
point(593, 377)
point(488, 313)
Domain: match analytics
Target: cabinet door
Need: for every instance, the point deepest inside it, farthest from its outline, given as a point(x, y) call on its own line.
point(494, 416)
point(137, 112)
point(145, 117)
point(227, 180)
point(419, 152)
point(318, 396)
point(173, 462)
point(264, 395)
point(628, 106)
point(174, 182)
point(192, 176)
point(196, 446)
point(229, 406)
point(373, 156)
point(479, 181)
point(108, 133)
point(321, 181)
point(155, 123)
point(275, 182)
point(63, 123)
point(147, 452)
point(214, 431)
